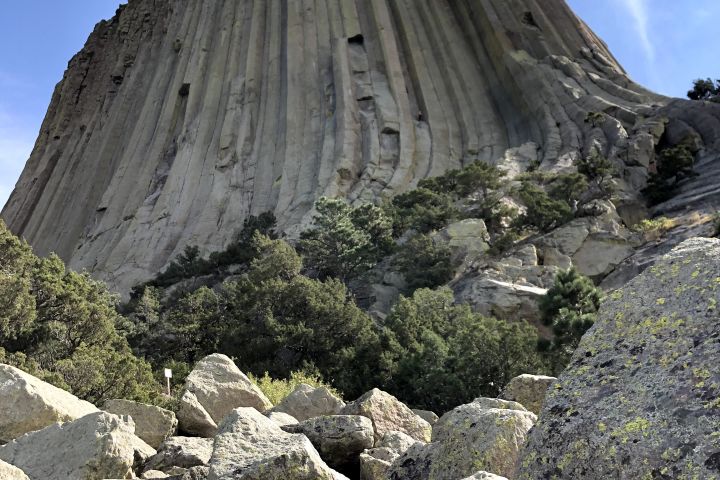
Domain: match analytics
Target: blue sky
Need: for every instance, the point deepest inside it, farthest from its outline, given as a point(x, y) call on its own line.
point(663, 44)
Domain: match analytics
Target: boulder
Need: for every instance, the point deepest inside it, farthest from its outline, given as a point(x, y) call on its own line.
point(485, 476)
point(194, 473)
point(282, 419)
point(154, 474)
point(427, 415)
point(528, 390)
point(467, 438)
point(182, 452)
point(152, 424)
point(502, 299)
point(375, 462)
point(640, 397)
point(339, 439)
point(466, 237)
point(28, 404)
point(212, 390)
point(307, 402)
point(388, 414)
point(249, 446)
point(96, 446)
point(9, 472)
point(600, 253)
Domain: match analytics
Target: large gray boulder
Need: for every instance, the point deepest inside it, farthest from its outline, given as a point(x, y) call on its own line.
point(9, 472)
point(485, 476)
point(307, 402)
point(212, 390)
point(388, 414)
point(249, 446)
point(340, 439)
point(182, 452)
point(152, 424)
point(375, 462)
point(640, 397)
point(528, 390)
point(28, 404)
point(97, 446)
point(470, 437)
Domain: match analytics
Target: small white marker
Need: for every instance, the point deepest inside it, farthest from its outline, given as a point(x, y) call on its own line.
point(168, 376)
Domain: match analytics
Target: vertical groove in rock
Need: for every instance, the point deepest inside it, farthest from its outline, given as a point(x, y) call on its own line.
point(178, 119)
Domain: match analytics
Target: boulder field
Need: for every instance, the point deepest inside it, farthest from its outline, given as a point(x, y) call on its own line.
point(639, 400)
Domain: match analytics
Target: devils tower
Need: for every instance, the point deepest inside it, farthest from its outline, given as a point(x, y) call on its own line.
point(180, 118)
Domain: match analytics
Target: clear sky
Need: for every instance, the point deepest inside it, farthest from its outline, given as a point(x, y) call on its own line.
point(663, 44)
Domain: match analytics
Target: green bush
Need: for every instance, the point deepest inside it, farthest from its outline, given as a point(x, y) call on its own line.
point(344, 242)
point(424, 263)
point(673, 165)
point(276, 389)
point(543, 212)
point(440, 355)
point(63, 327)
point(422, 210)
point(570, 308)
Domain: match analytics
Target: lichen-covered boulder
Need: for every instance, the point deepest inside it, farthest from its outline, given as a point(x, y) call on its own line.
point(307, 402)
point(470, 437)
point(182, 452)
point(194, 473)
point(388, 414)
point(147, 474)
point(249, 446)
point(97, 446)
point(375, 462)
point(528, 390)
point(9, 472)
point(152, 424)
point(28, 404)
point(212, 390)
point(340, 439)
point(427, 415)
point(640, 397)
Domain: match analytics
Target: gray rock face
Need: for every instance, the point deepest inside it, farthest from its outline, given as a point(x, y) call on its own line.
point(249, 446)
point(388, 414)
point(182, 452)
point(8, 472)
point(152, 424)
point(427, 415)
point(28, 404)
point(528, 390)
point(97, 446)
point(640, 397)
point(469, 437)
point(347, 99)
point(485, 476)
point(339, 439)
point(375, 463)
point(212, 390)
point(307, 402)
point(282, 419)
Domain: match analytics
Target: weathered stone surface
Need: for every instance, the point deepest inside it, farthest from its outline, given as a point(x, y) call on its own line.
point(28, 404)
point(157, 79)
point(249, 446)
point(427, 415)
point(183, 452)
point(485, 476)
point(282, 419)
point(388, 414)
point(469, 437)
point(639, 399)
point(152, 424)
point(9, 472)
point(97, 446)
point(154, 474)
point(466, 238)
point(501, 299)
point(339, 439)
point(212, 390)
point(307, 402)
point(528, 390)
point(194, 473)
point(375, 462)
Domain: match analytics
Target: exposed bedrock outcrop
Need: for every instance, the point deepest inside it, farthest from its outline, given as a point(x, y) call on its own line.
point(178, 119)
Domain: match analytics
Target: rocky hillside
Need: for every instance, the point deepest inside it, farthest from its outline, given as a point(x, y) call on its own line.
point(179, 119)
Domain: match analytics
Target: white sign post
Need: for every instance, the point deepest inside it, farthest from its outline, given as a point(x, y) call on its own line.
point(168, 376)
